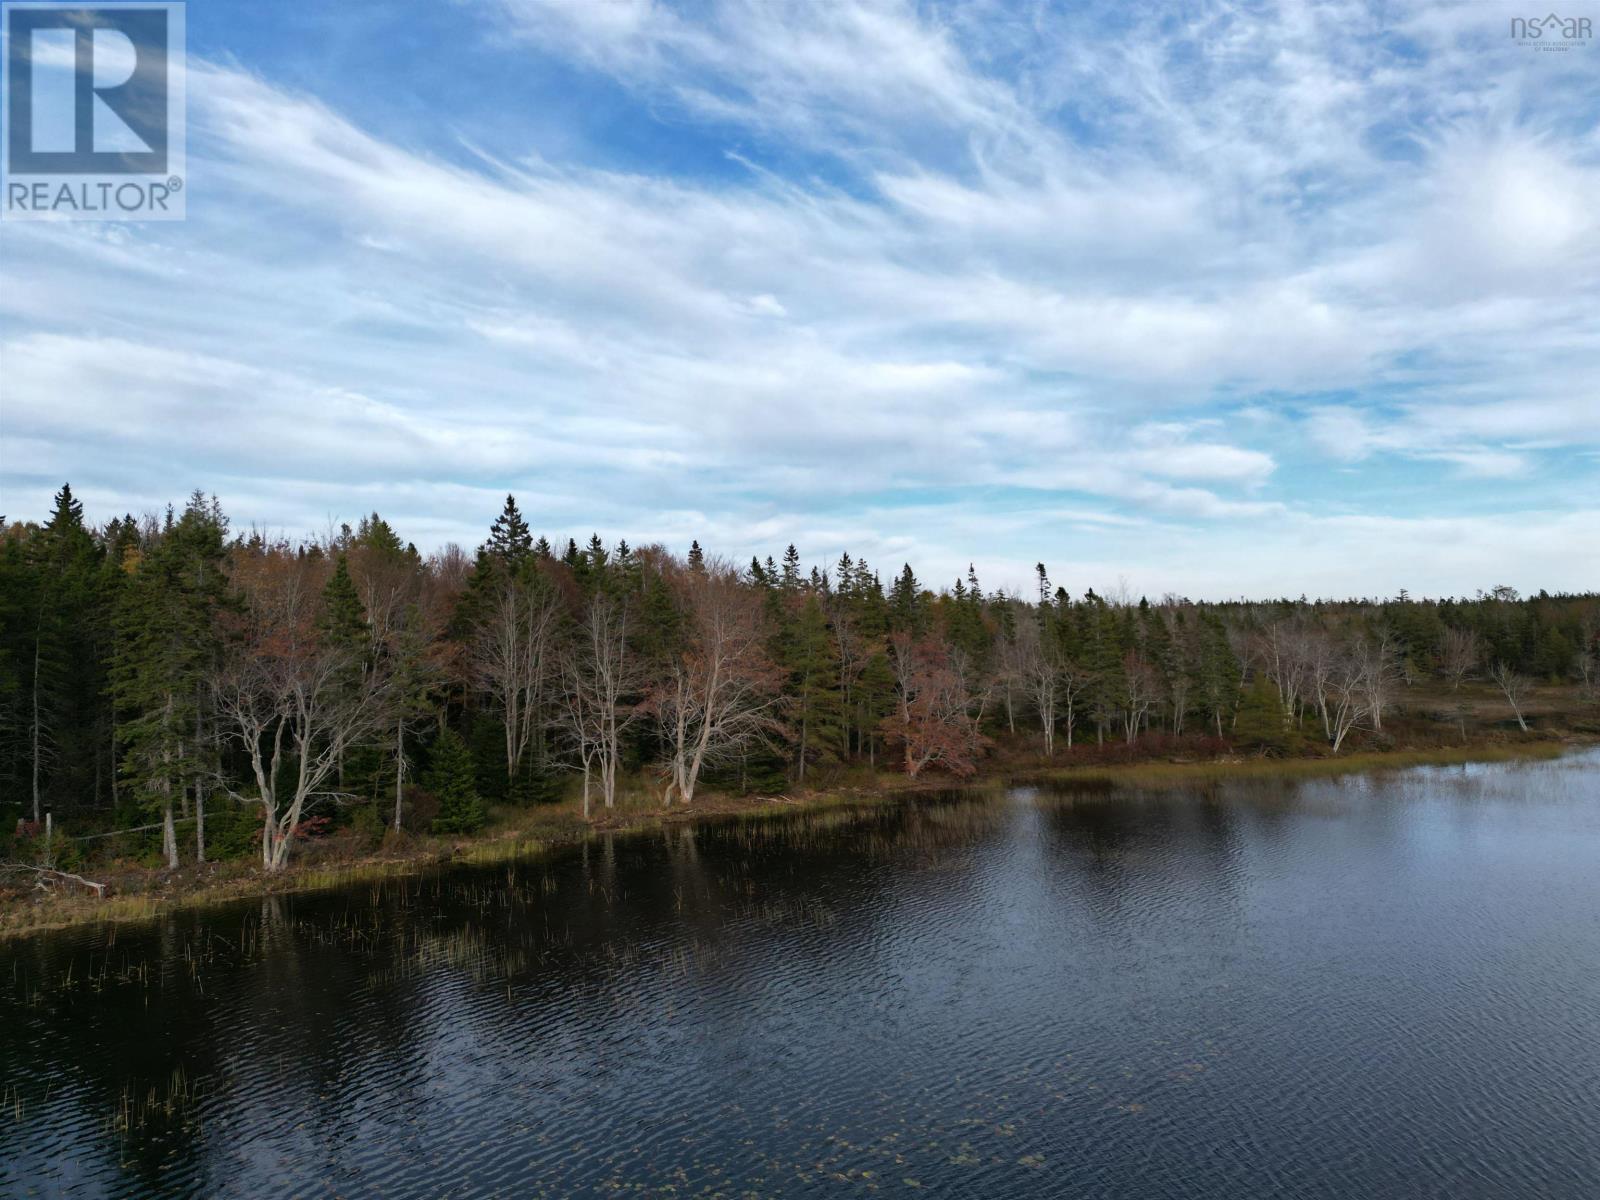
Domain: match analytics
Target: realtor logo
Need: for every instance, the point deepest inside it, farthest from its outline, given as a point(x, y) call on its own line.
point(93, 112)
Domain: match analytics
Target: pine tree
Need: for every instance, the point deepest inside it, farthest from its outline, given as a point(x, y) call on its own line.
point(907, 611)
point(697, 558)
point(818, 713)
point(65, 626)
point(167, 644)
point(451, 778)
point(343, 622)
point(1219, 675)
point(510, 540)
point(965, 625)
point(1259, 721)
point(873, 699)
point(377, 535)
point(845, 573)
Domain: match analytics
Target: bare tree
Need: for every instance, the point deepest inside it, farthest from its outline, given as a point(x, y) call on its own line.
point(1178, 687)
point(722, 693)
point(292, 702)
point(1458, 655)
point(1071, 680)
point(934, 717)
point(1346, 695)
point(1515, 687)
point(511, 656)
point(601, 678)
point(1587, 664)
point(855, 652)
point(1322, 661)
point(1587, 660)
point(1142, 689)
point(407, 625)
point(1009, 674)
point(1379, 657)
point(1040, 678)
point(1278, 650)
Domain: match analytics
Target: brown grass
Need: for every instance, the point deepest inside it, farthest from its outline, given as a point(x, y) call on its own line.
point(1181, 774)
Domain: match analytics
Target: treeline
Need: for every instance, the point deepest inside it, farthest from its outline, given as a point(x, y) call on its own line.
point(171, 671)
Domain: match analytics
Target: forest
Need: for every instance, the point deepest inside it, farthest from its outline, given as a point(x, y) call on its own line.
point(216, 694)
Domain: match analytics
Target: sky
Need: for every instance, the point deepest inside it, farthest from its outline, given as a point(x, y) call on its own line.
point(1211, 299)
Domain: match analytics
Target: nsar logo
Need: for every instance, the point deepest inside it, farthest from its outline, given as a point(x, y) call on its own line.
point(1552, 32)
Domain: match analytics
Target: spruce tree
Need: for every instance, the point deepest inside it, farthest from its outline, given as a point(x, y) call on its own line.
point(907, 611)
point(167, 643)
point(65, 628)
point(451, 778)
point(817, 716)
point(376, 534)
point(343, 622)
point(510, 540)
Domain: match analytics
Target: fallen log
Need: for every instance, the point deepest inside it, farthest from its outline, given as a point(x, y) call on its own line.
point(44, 873)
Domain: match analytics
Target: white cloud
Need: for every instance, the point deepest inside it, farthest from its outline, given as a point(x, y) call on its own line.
point(1048, 270)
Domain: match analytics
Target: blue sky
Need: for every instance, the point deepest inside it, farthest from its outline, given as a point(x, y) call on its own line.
point(1216, 299)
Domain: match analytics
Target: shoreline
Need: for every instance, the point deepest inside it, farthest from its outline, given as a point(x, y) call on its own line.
point(532, 833)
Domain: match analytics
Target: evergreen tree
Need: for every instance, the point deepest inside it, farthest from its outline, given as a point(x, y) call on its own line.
point(377, 535)
point(451, 778)
point(1259, 722)
point(817, 716)
point(343, 623)
point(907, 610)
point(965, 625)
point(1218, 676)
point(845, 573)
point(510, 540)
point(168, 642)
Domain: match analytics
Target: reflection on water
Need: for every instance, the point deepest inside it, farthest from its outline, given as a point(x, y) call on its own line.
point(1380, 986)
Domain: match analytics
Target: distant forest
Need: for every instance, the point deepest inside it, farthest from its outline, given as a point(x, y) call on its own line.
point(169, 672)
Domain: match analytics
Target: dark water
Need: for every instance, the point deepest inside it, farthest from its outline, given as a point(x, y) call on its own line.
point(1383, 986)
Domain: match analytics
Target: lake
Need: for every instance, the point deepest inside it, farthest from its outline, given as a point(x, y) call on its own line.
point(1381, 985)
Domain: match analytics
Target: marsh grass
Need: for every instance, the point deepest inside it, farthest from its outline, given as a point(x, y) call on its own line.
point(1189, 774)
point(167, 1103)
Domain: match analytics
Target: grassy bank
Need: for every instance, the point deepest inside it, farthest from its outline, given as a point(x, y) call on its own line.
point(1184, 774)
point(138, 894)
